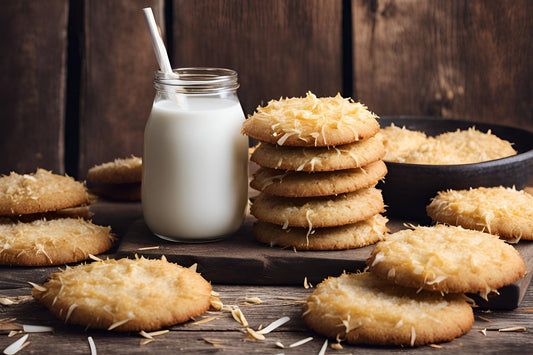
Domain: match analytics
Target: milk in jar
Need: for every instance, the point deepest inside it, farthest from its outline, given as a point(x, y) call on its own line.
point(195, 160)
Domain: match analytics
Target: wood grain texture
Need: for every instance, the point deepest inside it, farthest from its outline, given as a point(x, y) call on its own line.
point(459, 59)
point(117, 73)
point(32, 94)
point(279, 48)
point(224, 334)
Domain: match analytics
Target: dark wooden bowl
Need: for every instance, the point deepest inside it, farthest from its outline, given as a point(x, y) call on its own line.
point(408, 188)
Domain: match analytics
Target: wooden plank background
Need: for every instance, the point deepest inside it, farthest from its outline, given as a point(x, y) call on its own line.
point(457, 58)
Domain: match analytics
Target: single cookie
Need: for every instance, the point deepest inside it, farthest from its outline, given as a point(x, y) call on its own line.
point(399, 142)
point(39, 192)
point(119, 171)
point(317, 212)
point(125, 294)
point(447, 259)
point(364, 309)
point(497, 210)
point(311, 122)
point(51, 242)
point(348, 236)
point(303, 184)
point(348, 156)
point(118, 192)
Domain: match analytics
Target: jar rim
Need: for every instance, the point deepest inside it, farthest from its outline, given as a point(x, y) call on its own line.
point(204, 79)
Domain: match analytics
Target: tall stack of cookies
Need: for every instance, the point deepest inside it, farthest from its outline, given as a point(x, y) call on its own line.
point(43, 221)
point(320, 159)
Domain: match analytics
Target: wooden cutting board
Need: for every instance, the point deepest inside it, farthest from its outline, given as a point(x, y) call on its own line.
point(240, 259)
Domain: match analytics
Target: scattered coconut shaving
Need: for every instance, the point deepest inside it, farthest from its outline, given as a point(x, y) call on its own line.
point(28, 328)
point(38, 287)
point(92, 345)
point(307, 284)
point(276, 324)
point(8, 301)
point(336, 346)
point(300, 342)
point(118, 324)
point(253, 300)
point(149, 248)
point(239, 316)
point(436, 346)
point(146, 341)
point(484, 331)
point(215, 304)
point(205, 320)
point(323, 348)
point(16, 346)
point(217, 343)
point(255, 335)
point(95, 258)
point(485, 319)
point(279, 345)
point(13, 333)
point(513, 329)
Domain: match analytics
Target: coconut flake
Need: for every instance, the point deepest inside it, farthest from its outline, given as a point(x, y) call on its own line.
point(300, 342)
point(254, 300)
point(255, 335)
point(413, 336)
point(92, 346)
point(38, 287)
point(118, 324)
point(323, 348)
point(193, 267)
point(276, 324)
point(16, 346)
point(36, 328)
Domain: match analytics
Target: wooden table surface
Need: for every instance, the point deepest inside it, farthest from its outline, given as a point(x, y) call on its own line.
point(221, 333)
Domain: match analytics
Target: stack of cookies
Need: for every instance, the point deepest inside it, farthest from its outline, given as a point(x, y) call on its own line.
point(42, 221)
point(117, 180)
point(319, 159)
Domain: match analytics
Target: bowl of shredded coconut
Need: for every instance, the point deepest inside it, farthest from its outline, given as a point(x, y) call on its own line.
point(425, 155)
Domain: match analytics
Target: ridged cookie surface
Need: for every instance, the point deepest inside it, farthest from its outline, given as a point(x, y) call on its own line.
point(348, 236)
point(303, 184)
point(364, 309)
point(125, 294)
point(51, 242)
point(316, 212)
point(448, 259)
point(311, 121)
point(347, 156)
point(502, 211)
point(39, 192)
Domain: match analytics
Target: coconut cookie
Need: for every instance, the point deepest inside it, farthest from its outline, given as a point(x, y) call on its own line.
point(502, 211)
point(125, 294)
point(348, 236)
point(51, 242)
point(119, 171)
point(447, 259)
point(348, 156)
point(311, 121)
point(303, 184)
point(39, 192)
point(364, 309)
point(316, 212)
point(399, 142)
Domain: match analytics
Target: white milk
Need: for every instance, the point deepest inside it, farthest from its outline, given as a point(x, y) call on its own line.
point(195, 168)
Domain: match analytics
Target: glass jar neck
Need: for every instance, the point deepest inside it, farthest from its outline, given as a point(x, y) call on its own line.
point(197, 81)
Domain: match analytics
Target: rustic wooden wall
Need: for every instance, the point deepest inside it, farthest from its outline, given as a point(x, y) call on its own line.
point(77, 75)
point(33, 71)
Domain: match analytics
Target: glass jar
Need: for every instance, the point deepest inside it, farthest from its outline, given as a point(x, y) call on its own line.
point(195, 160)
